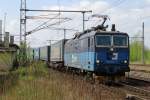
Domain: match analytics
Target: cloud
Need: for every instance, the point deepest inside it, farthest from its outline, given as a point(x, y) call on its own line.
point(147, 1)
point(128, 17)
point(127, 20)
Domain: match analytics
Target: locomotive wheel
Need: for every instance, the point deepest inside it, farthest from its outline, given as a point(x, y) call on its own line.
point(88, 77)
point(98, 79)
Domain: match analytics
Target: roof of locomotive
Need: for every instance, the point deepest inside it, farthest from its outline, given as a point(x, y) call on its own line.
point(93, 33)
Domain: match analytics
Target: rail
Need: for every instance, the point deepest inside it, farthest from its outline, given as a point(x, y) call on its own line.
point(138, 87)
point(140, 65)
point(140, 75)
point(141, 93)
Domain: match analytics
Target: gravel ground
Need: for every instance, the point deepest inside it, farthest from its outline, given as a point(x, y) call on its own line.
point(140, 67)
point(139, 75)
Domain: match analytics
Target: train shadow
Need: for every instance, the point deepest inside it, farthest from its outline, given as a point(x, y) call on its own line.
point(128, 82)
point(137, 83)
point(113, 84)
point(131, 82)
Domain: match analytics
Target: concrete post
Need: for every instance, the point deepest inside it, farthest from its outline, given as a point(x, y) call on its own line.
point(11, 39)
point(6, 40)
point(0, 31)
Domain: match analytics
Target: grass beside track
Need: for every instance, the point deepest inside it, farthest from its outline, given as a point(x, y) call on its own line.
point(136, 53)
point(37, 82)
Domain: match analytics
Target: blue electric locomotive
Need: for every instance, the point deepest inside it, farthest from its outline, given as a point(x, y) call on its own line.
point(111, 53)
point(101, 52)
point(104, 53)
point(96, 51)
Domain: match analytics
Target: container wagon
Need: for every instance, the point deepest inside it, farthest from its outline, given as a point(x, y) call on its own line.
point(57, 54)
point(30, 54)
point(45, 53)
point(36, 53)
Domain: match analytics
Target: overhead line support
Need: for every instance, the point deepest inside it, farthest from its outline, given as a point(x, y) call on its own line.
point(74, 11)
point(29, 10)
point(22, 20)
point(143, 47)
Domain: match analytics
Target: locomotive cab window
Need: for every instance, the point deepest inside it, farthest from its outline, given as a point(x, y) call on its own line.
point(120, 40)
point(103, 40)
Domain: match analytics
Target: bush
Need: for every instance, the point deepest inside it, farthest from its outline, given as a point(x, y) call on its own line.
point(136, 53)
point(35, 70)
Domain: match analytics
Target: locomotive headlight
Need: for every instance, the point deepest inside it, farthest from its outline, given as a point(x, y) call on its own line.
point(97, 61)
point(125, 61)
point(111, 49)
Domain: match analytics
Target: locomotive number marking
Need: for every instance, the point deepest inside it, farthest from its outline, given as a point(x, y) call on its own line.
point(115, 56)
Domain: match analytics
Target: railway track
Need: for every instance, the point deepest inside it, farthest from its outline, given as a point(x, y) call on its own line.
point(140, 91)
point(144, 71)
point(138, 88)
point(137, 92)
point(140, 65)
point(132, 92)
point(139, 75)
point(140, 68)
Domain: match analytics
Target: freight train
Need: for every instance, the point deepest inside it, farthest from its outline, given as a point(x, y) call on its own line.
point(95, 51)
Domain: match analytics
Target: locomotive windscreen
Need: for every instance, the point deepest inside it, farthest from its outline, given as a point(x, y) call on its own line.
point(112, 40)
point(103, 40)
point(120, 40)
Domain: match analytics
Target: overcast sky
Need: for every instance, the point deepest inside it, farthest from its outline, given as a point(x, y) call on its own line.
point(128, 16)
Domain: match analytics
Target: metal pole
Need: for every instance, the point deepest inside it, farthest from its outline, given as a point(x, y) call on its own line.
point(23, 20)
point(143, 47)
point(25, 39)
point(83, 21)
point(4, 29)
point(50, 42)
point(64, 34)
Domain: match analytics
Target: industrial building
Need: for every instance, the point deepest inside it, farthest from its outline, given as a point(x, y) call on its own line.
point(8, 50)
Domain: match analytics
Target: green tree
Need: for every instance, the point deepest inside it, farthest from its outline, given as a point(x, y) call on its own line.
point(22, 55)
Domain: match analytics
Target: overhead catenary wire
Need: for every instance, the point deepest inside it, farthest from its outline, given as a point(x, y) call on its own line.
point(116, 4)
point(44, 27)
point(39, 17)
point(46, 22)
point(73, 11)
